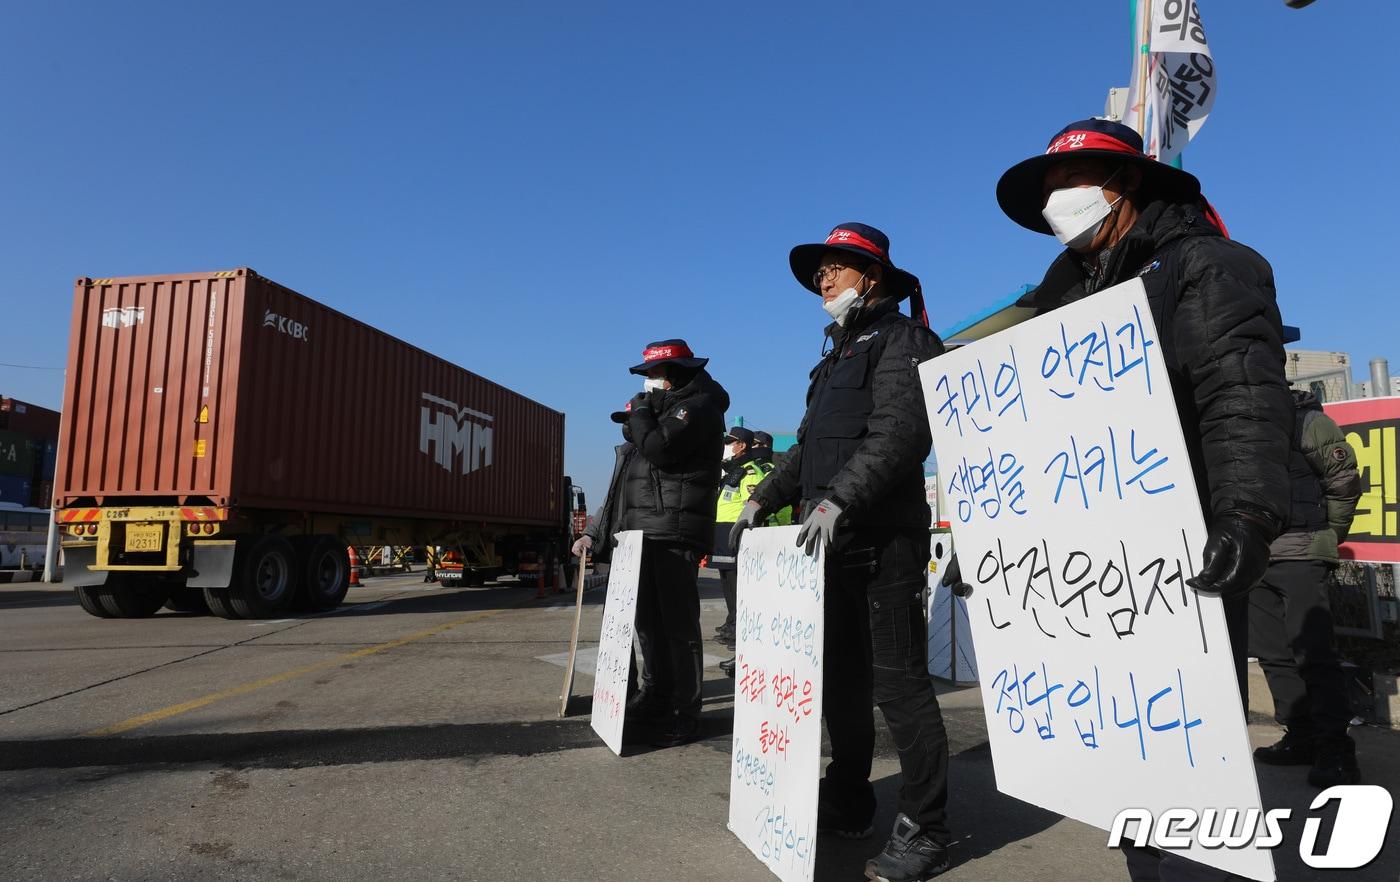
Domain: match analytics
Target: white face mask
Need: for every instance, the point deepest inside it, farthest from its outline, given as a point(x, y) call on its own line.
point(654, 384)
point(842, 305)
point(728, 452)
point(1076, 214)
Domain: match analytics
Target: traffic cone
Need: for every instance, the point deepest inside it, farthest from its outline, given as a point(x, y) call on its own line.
point(354, 566)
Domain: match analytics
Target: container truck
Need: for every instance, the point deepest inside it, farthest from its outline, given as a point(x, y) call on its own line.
point(224, 439)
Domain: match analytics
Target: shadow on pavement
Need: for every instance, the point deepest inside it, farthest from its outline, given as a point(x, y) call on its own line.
point(293, 749)
point(30, 598)
point(1287, 787)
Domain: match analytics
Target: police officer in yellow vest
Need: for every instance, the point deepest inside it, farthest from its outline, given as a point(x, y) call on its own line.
point(763, 455)
point(742, 473)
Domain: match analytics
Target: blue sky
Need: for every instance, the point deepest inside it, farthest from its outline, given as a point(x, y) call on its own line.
point(536, 190)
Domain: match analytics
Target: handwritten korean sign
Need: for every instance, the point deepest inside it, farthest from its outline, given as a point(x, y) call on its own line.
point(615, 640)
point(1106, 681)
point(777, 702)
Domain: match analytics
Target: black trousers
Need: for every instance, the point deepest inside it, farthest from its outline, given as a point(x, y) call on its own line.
point(876, 652)
point(1290, 632)
point(668, 625)
point(729, 584)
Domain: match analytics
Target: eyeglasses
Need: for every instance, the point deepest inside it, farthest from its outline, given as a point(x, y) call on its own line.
point(830, 271)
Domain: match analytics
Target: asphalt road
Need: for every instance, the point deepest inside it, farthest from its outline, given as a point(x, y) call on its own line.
point(413, 734)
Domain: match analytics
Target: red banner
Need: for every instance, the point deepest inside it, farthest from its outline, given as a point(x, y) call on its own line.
point(1372, 427)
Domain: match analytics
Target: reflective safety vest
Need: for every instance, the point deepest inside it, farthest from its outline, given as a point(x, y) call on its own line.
point(732, 497)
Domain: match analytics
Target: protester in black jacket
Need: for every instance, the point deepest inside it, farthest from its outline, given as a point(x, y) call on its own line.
point(669, 492)
point(1123, 215)
point(858, 470)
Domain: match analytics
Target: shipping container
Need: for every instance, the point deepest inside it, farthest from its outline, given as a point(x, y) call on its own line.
point(46, 458)
point(16, 455)
point(28, 419)
point(208, 412)
point(15, 490)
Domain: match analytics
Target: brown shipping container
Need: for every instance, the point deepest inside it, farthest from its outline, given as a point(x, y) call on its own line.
point(226, 388)
point(37, 422)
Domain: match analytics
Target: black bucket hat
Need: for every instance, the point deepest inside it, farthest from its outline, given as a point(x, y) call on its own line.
point(855, 238)
point(739, 433)
point(674, 352)
point(1021, 191)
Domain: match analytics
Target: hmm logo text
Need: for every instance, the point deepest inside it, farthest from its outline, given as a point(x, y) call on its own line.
point(1363, 816)
point(283, 325)
point(123, 316)
point(454, 431)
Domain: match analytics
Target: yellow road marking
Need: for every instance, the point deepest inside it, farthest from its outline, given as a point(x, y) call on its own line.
point(174, 710)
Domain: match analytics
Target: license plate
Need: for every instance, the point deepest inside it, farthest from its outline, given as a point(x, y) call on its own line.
point(145, 537)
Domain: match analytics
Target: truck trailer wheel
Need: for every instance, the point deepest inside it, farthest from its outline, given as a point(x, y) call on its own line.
point(217, 601)
point(264, 577)
point(90, 599)
point(128, 598)
point(325, 573)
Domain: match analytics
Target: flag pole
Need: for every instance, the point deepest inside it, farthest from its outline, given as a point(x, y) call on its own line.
point(1142, 40)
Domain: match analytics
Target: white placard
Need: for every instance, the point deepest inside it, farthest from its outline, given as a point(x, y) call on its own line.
point(776, 762)
point(1107, 683)
point(615, 640)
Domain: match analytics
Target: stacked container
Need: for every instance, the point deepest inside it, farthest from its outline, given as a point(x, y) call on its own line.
point(28, 453)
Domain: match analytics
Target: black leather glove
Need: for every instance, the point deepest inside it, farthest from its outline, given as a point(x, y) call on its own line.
point(952, 578)
point(1236, 554)
point(640, 402)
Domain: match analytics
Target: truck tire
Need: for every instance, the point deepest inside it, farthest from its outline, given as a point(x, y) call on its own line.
point(325, 573)
point(217, 601)
point(90, 600)
point(264, 577)
point(127, 598)
point(187, 600)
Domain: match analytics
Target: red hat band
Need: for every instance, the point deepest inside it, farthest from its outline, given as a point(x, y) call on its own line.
point(663, 353)
point(1071, 141)
point(842, 236)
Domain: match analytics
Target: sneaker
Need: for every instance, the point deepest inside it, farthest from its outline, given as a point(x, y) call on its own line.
point(909, 856)
point(845, 816)
point(1335, 764)
point(727, 666)
point(724, 634)
point(1292, 749)
point(679, 730)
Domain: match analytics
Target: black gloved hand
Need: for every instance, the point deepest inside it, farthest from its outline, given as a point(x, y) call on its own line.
point(1236, 554)
point(640, 402)
point(952, 578)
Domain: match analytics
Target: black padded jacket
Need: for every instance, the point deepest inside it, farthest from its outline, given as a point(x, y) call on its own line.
point(1222, 338)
